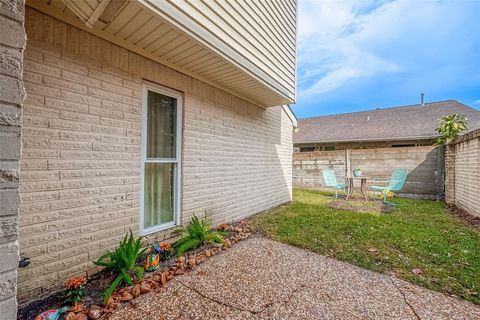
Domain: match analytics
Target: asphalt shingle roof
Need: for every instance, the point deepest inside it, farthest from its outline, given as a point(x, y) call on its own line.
point(398, 123)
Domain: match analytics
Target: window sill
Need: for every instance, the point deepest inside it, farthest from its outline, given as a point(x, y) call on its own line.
point(159, 228)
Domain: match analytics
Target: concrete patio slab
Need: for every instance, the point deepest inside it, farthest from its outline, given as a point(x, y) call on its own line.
point(263, 279)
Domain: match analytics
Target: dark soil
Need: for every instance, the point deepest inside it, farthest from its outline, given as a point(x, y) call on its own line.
point(93, 295)
point(360, 205)
point(469, 218)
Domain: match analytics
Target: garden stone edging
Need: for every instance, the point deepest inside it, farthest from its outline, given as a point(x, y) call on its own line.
point(155, 280)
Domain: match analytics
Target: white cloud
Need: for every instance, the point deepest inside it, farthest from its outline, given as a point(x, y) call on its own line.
point(327, 53)
point(476, 101)
point(349, 39)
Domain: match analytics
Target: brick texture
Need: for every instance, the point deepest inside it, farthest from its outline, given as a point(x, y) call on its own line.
point(12, 94)
point(81, 158)
point(462, 163)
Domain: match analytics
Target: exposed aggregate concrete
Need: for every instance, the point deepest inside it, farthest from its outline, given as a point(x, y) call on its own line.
point(263, 279)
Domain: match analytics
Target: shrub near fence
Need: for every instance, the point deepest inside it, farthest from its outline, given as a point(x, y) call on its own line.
point(425, 166)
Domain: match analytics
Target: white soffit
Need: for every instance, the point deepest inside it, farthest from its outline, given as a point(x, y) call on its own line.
point(139, 27)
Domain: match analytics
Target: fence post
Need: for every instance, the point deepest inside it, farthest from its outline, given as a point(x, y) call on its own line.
point(450, 160)
point(440, 173)
point(347, 164)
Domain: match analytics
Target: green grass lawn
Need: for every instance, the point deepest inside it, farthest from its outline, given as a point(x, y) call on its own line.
point(418, 234)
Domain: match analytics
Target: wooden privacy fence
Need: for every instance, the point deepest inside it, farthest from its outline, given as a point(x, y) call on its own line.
point(425, 166)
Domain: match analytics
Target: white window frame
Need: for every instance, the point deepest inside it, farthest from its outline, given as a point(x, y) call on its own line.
point(147, 86)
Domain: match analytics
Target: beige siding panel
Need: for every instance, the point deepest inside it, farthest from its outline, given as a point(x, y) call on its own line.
point(224, 27)
point(251, 14)
point(249, 19)
point(267, 16)
point(285, 13)
point(209, 20)
point(248, 34)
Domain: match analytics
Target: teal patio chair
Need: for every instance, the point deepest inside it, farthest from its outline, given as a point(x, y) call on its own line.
point(396, 183)
point(331, 181)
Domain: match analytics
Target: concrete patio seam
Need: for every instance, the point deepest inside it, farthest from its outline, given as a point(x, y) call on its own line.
point(254, 312)
point(405, 299)
point(217, 301)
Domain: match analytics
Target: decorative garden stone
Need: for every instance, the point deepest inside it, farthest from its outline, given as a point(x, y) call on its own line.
point(53, 314)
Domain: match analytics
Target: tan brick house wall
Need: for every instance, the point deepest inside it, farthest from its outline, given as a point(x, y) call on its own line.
point(462, 165)
point(81, 159)
point(12, 95)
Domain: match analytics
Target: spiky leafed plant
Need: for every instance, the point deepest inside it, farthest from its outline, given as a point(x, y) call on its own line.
point(197, 233)
point(449, 127)
point(123, 262)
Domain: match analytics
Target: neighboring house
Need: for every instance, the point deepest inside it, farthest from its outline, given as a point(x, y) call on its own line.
point(405, 126)
point(137, 114)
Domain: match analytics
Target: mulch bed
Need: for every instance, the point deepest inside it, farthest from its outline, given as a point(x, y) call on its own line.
point(464, 215)
point(94, 289)
point(98, 283)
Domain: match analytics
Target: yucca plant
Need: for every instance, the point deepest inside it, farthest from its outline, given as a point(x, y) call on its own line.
point(198, 232)
point(449, 127)
point(123, 262)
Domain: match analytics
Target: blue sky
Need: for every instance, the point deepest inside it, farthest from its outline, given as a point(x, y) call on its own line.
point(363, 54)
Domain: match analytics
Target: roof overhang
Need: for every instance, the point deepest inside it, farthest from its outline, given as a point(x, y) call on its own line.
point(291, 115)
point(151, 29)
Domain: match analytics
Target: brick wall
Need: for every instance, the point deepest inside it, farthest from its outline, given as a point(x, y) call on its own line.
point(12, 94)
point(81, 157)
point(462, 166)
point(423, 163)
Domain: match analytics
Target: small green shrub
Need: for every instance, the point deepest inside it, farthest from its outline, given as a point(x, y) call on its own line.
point(449, 127)
point(166, 251)
point(75, 289)
point(123, 262)
point(197, 233)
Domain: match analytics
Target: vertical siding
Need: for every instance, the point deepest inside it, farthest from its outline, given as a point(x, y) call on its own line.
point(262, 33)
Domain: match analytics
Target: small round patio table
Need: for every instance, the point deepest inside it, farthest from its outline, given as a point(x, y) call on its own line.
point(363, 186)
